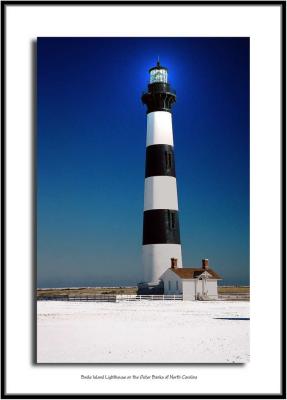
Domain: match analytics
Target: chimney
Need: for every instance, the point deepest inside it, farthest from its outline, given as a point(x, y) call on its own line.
point(205, 263)
point(173, 262)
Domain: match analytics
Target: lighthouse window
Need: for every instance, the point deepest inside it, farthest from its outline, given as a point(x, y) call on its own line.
point(171, 219)
point(168, 160)
point(169, 285)
point(176, 285)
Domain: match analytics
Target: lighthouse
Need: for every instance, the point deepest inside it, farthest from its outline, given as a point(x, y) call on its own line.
point(161, 236)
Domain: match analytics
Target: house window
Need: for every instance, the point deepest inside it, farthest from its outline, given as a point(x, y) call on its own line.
point(176, 285)
point(169, 285)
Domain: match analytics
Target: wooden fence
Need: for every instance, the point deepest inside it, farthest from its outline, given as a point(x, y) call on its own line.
point(110, 298)
point(126, 297)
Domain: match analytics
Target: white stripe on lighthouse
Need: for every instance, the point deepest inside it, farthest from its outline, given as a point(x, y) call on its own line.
point(160, 193)
point(156, 259)
point(159, 128)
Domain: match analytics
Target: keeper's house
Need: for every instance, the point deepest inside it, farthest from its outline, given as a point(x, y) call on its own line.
point(191, 283)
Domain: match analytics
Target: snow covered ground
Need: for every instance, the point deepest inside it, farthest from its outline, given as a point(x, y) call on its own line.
point(143, 332)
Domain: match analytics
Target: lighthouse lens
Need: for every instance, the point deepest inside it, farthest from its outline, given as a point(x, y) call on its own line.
point(158, 75)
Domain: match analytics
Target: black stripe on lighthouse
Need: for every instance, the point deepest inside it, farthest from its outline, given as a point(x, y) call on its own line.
point(159, 160)
point(161, 226)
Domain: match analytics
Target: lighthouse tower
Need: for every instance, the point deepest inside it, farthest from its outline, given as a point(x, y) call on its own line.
point(161, 238)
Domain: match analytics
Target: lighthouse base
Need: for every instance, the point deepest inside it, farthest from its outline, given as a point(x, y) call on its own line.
point(146, 288)
point(156, 259)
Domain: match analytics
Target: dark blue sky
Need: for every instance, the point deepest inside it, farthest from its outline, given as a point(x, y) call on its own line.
point(91, 155)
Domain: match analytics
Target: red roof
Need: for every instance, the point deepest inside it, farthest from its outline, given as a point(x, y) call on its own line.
point(192, 273)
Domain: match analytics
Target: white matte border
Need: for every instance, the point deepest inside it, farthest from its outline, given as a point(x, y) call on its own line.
point(260, 23)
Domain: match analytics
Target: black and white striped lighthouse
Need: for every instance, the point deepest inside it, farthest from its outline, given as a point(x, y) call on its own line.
point(161, 237)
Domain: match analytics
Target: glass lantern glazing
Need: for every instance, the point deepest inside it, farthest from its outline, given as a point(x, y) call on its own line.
point(158, 75)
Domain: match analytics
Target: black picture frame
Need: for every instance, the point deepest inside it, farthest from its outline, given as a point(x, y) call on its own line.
point(282, 395)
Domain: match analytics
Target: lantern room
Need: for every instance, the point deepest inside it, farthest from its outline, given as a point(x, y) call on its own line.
point(158, 74)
